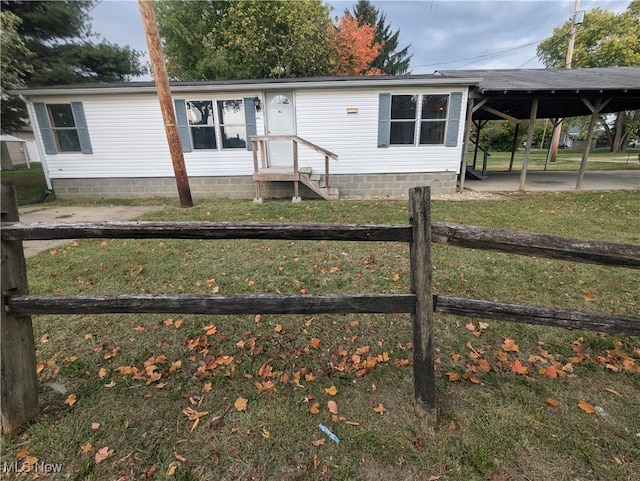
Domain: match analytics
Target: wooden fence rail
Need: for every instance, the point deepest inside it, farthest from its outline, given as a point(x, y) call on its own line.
point(19, 380)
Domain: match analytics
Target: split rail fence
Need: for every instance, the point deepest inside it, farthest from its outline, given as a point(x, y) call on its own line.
point(19, 389)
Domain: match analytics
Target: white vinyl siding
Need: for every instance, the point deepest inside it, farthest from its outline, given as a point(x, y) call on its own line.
point(128, 136)
point(322, 118)
point(129, 140)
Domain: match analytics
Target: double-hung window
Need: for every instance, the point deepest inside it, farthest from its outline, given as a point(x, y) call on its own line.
point(232, 124)
point(64, 128)
point(201, 124)
point(220, 127)
point(418, 119)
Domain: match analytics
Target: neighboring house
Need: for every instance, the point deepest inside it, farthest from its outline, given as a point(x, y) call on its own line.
point(388, 133)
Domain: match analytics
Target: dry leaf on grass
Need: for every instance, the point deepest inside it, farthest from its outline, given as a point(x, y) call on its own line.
point(241, 404)
point(102, 454)
point(331, 391)
point(333, 407)
point(380, 409)
point(586, 407)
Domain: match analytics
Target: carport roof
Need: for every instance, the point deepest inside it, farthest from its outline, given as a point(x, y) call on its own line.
point(560, 91)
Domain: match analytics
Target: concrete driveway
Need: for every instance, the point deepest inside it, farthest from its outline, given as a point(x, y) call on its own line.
point(557, 181)
point(42, 213)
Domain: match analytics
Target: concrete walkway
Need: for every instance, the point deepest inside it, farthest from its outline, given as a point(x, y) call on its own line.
point(42, 213)
point(553, 181)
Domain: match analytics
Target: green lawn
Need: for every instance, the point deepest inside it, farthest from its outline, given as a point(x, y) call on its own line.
point(567, 159)
point(30, 183)
point(163, 397)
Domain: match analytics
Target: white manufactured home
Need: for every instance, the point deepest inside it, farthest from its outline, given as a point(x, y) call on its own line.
point(328, 137)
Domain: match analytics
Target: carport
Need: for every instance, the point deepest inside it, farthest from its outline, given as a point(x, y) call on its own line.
point(519, 95)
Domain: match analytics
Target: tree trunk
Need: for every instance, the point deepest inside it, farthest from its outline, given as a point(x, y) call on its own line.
point(617, 146)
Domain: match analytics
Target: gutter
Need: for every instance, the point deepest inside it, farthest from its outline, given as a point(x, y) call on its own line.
point(294, 84)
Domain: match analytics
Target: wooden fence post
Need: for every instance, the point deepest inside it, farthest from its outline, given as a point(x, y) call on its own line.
point(420, 266)
point(18, 377)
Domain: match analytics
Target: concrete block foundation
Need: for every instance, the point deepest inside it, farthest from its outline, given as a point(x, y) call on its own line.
point(243, 187)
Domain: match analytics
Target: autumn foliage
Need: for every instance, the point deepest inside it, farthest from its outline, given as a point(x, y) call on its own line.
point(356, 48)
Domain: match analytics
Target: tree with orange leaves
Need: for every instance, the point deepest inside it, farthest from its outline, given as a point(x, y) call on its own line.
point(356, 47)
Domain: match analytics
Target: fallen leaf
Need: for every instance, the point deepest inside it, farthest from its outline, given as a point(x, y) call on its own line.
point(241, 404)
point(175, 366)
point(380, 409)
point(102, 454)
point(586, 407)
point(552, 402)
point(172, 468)
point(265, 433)
point(179, 456)
point(331, 391)
point(609, 390)
point(208, 387)
point(85, 448)
point(22, 453)
point(453, 376)
point(315, 408)
point(71, 400)
point(210, 330)
point(319, 442)
point(102, 373)
point(333, 407)
point(509, 345)
point(518, 368)
point(470, 327)
point(95, 426)
point(194, 416)
point(315, 342)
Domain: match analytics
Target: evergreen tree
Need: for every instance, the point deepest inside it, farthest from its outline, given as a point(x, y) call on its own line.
point(61, 51)
point(391, 60)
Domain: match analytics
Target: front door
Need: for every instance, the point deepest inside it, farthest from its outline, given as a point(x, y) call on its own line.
point(281, 120)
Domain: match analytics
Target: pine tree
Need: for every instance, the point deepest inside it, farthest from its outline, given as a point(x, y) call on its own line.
point(391, 60)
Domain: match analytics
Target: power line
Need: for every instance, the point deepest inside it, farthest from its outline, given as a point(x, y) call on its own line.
point(480, 57)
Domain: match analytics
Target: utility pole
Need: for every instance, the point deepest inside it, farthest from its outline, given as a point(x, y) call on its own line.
point(577, 18)
point(166, 103)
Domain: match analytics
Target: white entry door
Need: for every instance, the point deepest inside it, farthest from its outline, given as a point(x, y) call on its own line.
point(281, 120)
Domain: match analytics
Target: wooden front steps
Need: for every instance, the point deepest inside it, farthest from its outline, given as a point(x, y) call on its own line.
point(285, 174)
point(263, 172)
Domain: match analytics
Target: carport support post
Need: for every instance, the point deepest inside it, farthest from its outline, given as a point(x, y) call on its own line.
point(18, 377)
point(527, 150)
point(595, 109)
point(420, 266)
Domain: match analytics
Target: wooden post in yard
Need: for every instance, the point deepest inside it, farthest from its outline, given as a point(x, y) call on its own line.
point(19, 380)
point(421, 267)
point(166, 104)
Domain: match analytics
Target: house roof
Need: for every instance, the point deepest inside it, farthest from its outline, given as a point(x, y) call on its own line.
point(253, 84)
point(560, 91)
point(10, 138)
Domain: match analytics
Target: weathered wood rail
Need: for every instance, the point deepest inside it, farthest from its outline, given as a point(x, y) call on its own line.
point(19, 380)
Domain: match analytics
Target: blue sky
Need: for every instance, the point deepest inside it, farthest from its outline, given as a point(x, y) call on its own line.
point(444, 34)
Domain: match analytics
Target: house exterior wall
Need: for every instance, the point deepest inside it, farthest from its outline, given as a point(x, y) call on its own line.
point(130, 156)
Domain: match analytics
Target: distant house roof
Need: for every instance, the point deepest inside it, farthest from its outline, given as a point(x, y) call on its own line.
point(560, 91)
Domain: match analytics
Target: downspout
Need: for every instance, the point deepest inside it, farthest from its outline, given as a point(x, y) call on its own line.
point(465, 145)
point(36, 133)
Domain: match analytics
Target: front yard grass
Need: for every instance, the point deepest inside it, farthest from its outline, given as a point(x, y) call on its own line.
point(240, 397)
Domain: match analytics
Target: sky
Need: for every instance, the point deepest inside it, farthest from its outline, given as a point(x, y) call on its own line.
point(443, 34)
